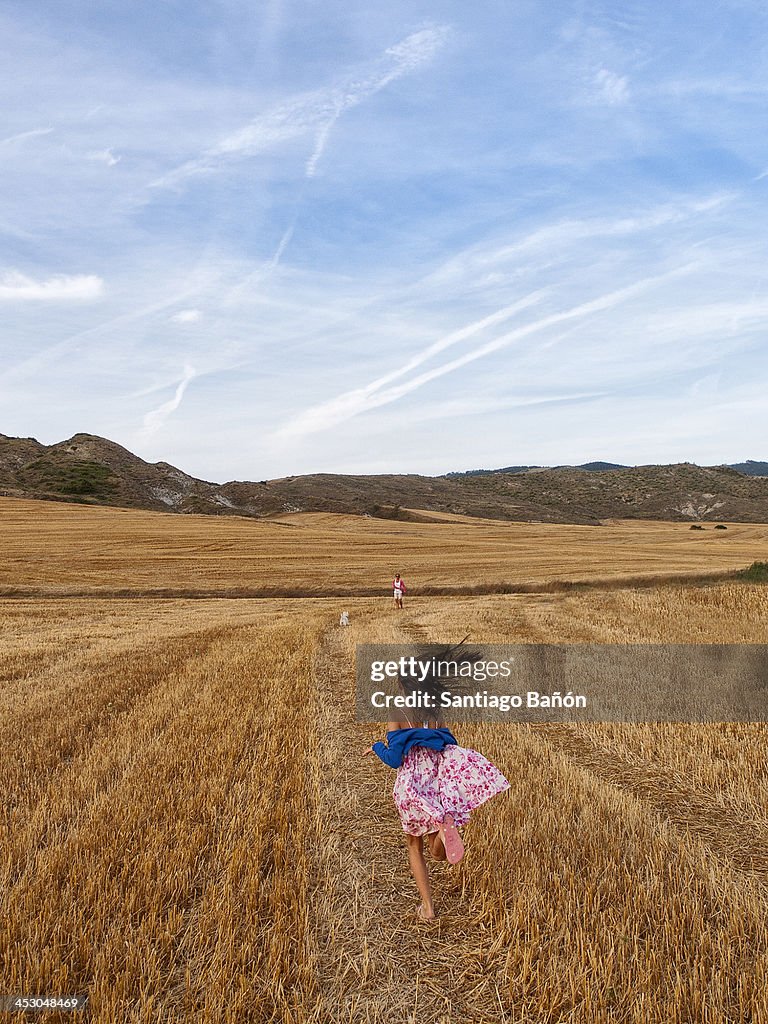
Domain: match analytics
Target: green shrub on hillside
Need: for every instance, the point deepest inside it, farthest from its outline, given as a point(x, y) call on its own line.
point(73, 476)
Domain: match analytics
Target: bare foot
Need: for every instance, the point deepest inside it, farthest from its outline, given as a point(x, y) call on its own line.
point(436, 846)
point(425, 915)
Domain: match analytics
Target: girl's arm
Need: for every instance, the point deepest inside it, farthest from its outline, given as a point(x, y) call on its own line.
point(382, 750)
point(391, 726)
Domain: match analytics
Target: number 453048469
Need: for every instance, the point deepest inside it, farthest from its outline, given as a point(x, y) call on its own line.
point(32, 1004)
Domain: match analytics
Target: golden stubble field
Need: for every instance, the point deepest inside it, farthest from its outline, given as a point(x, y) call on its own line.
point(190, 833)
point(314, 554)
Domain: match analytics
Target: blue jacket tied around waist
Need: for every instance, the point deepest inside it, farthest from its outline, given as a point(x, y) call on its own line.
point(400, 741)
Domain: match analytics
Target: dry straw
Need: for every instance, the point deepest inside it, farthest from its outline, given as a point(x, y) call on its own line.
point(191, 834)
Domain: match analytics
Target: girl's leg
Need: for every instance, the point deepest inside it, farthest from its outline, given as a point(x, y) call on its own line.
point(436, 847)
point(421, 875)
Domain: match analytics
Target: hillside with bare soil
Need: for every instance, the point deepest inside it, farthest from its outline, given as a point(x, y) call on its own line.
point(92, 470)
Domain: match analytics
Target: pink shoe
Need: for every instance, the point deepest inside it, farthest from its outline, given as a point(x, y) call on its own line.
point(454, 847)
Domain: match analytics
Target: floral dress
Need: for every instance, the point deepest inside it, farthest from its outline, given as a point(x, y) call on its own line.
point(433, 783)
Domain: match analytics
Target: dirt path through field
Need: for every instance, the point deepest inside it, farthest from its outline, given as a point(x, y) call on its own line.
point(376, 961)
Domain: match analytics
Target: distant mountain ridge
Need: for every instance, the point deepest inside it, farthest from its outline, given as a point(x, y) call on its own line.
point(594, 467)
point(748, 468)
point(93, 470)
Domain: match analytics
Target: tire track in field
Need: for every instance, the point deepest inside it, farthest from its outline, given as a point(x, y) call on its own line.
point(52, 731)
point(723, 829)
point(361, 870)
point(136, 841)
point(415, 631)
point(377, 962)
point(37, 695)
point(106, 743)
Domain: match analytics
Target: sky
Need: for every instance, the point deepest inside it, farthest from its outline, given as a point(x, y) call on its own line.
point(262, 239)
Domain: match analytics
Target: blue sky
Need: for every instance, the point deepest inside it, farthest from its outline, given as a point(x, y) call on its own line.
point(255, 240)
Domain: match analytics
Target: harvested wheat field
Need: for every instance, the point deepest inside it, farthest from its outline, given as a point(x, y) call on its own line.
point(316, 554)
point(191, 834)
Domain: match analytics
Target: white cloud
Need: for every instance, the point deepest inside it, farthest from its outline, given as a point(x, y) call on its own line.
point(463, 179)
point(16, 287)
point(612, 88)
point(186, 316)
point(23, 136)
point(32, 367)
point(316, 112)
point(155, 419)
point(418, 48)
point(282, 245)
point(484, 260)
point(454, 338)
point(320, 142)
point(104, 156)
point(352, 403)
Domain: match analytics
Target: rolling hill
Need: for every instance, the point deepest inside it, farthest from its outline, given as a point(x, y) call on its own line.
point(93, 470)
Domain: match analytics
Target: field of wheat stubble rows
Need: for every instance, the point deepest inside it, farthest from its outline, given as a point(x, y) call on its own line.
point(190, 834)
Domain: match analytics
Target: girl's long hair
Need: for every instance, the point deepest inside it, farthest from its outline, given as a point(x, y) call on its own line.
point(435, 684)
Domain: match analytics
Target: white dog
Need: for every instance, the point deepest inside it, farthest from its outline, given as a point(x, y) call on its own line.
point(344, 620)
